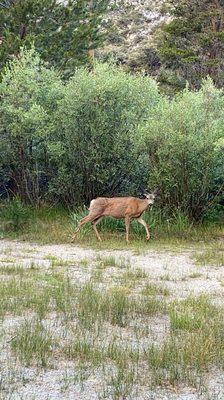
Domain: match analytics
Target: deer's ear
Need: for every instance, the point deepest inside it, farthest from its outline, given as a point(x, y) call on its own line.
point(143, 191)
point(156, 191)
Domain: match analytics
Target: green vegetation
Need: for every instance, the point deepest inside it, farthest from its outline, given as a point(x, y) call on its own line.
point(181, 132)
point(107, 133)
point(56, 225)
point(213, 255)
point(72, 129)
point(192, 350)
point(33, 343)
point(152, 289)
point(48, 24)
point(191, 44)
point(112, 261)
point(195, 275)
point(191, 314)
point(85, 324)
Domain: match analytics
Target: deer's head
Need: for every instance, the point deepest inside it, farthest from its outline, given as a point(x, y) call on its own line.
point(151, 196)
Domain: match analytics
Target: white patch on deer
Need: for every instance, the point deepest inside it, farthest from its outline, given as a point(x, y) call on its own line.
point(91, 204)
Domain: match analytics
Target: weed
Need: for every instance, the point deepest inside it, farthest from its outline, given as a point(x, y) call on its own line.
point(12, 270)
point(103, 262)
point(58, 262)
point(191, 314)
point(84, 262)
point(83, 349)
point(166, 277)
point(131, 277)
point(64, 294)
point(61, 263)
point(89, 307)
point(111, 261)
point(17, 295)
point(97, 275)
point(152, 289)
point(15, 214)
point(53, 225)
point(149, 306)
point(195, 275)
point(183, 358)
point(119, 383)
point(7, 260)
point(212, 256)
point(118, 306)
point(80, 374)
point(33, 343)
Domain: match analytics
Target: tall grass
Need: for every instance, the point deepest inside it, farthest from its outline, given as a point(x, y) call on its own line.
point(164, 227)
point(157, 219)
point(56, 225)
point(33, 343)
point(196, 343)
point(45, 224)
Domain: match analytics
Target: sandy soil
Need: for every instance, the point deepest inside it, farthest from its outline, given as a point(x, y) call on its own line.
point(175, 271)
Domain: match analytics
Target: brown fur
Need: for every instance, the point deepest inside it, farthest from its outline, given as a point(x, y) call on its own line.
point(117, 207)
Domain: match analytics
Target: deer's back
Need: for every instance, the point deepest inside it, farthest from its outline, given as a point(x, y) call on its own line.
point(116, 207)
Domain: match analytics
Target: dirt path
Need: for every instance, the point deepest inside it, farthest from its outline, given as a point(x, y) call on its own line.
point(179, 271)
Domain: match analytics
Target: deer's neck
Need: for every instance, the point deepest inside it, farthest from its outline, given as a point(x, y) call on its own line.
point(145, 203)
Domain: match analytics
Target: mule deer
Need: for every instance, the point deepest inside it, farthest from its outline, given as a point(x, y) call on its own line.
point(118, 207)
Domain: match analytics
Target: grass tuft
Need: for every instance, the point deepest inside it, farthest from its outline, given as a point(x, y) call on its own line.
point(191, 314)
point(33, 343)
point(152, 289)
point(212, 256)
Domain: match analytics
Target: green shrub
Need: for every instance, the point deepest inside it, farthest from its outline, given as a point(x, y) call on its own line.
point(15, 214)
point(93, 146)
point(105, 133)
point(29, 92)
point(181, 140)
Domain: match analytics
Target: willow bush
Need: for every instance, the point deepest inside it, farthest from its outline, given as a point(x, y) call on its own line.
point(28, 96)
point(104, 133)
point(183, 142)
point(93, 143)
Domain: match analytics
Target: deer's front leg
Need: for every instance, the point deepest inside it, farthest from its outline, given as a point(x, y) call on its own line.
point(127, 225)
point(95, 222)
point(142, 222)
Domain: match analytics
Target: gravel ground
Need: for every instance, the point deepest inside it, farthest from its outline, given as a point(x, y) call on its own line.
point(175, 271)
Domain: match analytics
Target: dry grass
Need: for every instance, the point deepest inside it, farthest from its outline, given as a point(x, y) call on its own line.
point(212, 255)
point(106, 328)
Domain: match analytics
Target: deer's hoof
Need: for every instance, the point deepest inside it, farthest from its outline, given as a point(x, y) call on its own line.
point(147, 238)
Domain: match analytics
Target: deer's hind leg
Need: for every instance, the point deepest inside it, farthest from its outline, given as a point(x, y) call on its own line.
point(88, 218)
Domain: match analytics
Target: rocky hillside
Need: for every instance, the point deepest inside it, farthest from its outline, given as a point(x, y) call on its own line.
point(132, 24)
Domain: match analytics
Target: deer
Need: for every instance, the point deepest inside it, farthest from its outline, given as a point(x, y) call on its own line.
point(118, 207)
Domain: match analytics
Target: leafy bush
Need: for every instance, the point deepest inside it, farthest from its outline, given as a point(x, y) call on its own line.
point(182, 142)
point(29, 93)
point(106, 132)
point(15, 214)
point(93, 146)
